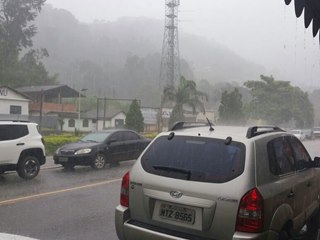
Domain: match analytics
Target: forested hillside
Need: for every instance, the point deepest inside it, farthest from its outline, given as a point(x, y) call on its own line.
point(122, 59)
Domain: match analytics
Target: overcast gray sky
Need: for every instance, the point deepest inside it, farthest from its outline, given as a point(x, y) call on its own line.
point(262, 31)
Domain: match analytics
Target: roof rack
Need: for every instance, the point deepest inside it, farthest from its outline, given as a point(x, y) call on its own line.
point(183, 125)
point(254, 131)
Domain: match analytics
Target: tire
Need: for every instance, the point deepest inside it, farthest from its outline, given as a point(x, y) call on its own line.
point(283, 235)
point(68, 166)
point(313, 225)
point(286, 233)
point(99, 161)
point(28, 167)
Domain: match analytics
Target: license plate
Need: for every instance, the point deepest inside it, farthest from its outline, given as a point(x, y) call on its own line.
point(177, 213)
point(63, 159)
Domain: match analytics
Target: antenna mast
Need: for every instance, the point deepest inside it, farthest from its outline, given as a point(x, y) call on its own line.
point(170, 60)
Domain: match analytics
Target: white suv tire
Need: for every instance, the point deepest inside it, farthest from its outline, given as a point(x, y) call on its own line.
point(28, 167)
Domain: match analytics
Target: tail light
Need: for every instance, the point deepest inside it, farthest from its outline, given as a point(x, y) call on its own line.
point(124, 194)
point(250, 213)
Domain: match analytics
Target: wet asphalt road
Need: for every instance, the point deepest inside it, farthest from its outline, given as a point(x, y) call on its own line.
point(67, 205)
point(62, 205)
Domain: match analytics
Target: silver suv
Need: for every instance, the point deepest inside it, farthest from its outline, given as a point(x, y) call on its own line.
point(21, 148)
point(214, 182)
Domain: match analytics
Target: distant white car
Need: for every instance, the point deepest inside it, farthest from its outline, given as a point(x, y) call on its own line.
point(316, 132)
point(21, 148)
point(299, 134)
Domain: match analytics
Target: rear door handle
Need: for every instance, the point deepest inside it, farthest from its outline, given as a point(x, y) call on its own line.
point(20, 144)
point(291, 194)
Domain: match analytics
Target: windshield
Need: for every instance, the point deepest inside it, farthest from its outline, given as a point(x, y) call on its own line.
point(194, 158)
point(96, 137)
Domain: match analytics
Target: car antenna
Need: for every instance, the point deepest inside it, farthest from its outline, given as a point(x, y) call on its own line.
point(171, 135)
point(210, 124)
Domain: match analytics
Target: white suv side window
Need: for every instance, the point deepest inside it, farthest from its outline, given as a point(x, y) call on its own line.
point(11, 132)
point(281, 157)
point(301, 155)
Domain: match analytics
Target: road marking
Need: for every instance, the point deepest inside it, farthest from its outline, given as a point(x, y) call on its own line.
point(15, 200)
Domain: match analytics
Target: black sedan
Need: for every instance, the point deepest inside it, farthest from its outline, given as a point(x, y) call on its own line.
point(98, 148)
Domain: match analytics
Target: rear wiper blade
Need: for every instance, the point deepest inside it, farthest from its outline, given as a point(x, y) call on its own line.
point(173, 169)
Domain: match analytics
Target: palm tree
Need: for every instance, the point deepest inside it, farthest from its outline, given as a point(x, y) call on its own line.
point(186, 94)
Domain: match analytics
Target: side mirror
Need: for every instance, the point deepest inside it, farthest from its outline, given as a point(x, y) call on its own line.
point(316, 162)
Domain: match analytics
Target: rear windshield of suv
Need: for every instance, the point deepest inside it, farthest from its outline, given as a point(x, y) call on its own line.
point(195, 158)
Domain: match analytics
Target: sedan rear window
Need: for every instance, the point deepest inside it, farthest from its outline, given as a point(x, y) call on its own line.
point(195, 158)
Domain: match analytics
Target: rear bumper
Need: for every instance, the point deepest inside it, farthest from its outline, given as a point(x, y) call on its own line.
point(129, 230)
point(85, 159)
point(268, 235)
point(121, 216)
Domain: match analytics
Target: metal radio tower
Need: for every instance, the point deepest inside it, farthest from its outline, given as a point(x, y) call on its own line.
point(170, 61)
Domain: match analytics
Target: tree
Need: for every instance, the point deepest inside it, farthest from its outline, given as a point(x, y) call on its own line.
point(15, 31)
point(315, 99)
point(32, 70)
point(231, 108)
point(186, 94)
point(134, 118)
point(16, 34)
point(277, 102)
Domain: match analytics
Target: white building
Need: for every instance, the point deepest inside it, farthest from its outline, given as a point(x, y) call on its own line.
point(13, 104)
point(90, 122)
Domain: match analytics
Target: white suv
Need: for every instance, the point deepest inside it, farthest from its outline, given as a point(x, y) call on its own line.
point(215, 182)
point(21, 148)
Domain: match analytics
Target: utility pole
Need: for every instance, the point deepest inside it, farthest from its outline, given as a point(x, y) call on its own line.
point(170, 60)
point(105, 105)
point(79, 118)
point(41, 110)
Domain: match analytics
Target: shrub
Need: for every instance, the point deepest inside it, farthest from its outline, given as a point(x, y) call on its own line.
point(53, 142)
point(150, 135)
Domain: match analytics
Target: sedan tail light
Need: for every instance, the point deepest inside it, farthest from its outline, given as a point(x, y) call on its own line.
point(250, 213)
point(124, 194)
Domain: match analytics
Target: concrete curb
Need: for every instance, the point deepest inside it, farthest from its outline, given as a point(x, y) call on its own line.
point(50, 163)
